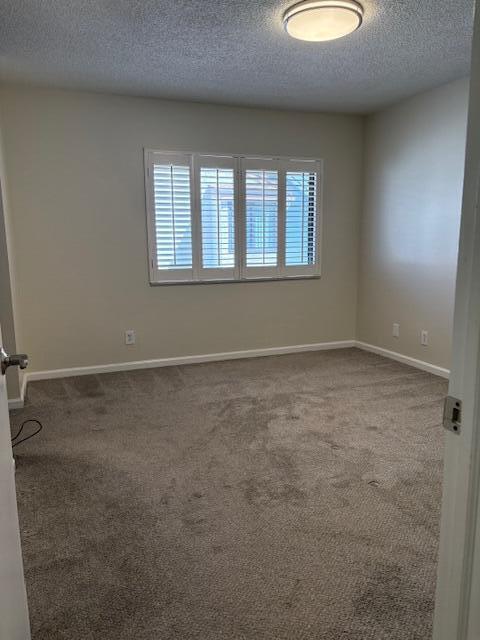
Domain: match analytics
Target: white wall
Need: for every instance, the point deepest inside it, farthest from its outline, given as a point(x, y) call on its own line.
point(414, 164)
point(76, 186)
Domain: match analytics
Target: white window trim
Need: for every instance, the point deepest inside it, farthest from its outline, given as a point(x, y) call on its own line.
point(241, 273)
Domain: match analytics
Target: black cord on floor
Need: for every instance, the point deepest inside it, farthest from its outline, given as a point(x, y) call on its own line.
point(16, 441)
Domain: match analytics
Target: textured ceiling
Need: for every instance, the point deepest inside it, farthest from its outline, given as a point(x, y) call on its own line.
point(234, 51)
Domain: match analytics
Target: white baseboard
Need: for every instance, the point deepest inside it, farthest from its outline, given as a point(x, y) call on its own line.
point(19, 403)
point(16, 403)
point(413, 362)
point(217, 357)
point(169, 362)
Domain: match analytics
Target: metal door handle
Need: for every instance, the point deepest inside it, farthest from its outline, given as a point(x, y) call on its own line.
point(15, 360)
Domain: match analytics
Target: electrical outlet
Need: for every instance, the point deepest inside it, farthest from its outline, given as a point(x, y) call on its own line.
point(424, 338)
point(130, 336)
point(396, 330)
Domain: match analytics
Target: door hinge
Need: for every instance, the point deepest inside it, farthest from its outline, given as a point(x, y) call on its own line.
point(452, 414)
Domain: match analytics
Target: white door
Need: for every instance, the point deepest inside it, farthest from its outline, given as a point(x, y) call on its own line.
point(457, 610)
point(14, 623)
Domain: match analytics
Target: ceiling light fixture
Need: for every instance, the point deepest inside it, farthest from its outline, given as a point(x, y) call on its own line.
point(321, 20)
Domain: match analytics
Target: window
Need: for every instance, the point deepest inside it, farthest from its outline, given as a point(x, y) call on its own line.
point(301, 218)
point(228, 218)
point(215, 178)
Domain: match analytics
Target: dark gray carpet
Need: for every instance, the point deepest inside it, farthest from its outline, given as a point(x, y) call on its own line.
point(281, 498)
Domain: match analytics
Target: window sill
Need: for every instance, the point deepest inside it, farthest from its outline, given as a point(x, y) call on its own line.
point(170, 283)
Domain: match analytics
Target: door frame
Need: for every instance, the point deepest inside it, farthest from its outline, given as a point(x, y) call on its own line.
point(14, 619)
point(457, 612)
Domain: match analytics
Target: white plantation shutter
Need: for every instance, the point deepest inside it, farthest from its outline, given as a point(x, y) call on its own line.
point(218, 230)
point(173, 216)
point(170, 178)
point(260, 198)
point(261, 203)
point(216, 179)
point(213, 218)
point(301, 206)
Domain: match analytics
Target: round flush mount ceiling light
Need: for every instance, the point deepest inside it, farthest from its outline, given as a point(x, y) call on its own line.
point(322, 20)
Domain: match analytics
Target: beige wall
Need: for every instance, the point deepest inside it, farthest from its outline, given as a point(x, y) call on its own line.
point(414, 163)
point(75, 172)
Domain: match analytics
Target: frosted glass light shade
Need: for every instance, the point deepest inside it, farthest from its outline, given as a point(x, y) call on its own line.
point(322, 20)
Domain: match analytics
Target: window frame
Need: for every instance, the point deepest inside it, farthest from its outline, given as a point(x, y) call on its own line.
point(240, 273)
